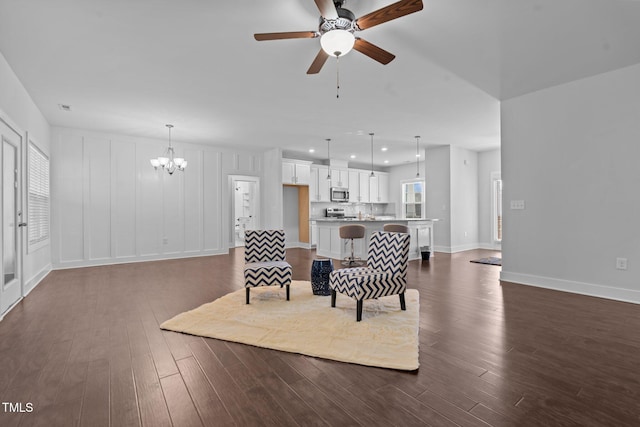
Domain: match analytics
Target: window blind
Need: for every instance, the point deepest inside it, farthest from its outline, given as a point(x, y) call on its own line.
point(39, 200)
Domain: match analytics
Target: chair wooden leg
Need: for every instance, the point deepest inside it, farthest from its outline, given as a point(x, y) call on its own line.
point(403, 305)
point(287, 292)
point(359, 310)
point(248, 292)
point(333, 298)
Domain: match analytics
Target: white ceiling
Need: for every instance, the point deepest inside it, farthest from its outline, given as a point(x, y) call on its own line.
point(130, 66)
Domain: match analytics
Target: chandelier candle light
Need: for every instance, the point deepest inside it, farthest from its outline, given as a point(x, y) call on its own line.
point(168, 161)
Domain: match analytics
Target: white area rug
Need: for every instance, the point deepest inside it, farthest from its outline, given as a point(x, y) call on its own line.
point(386, 337)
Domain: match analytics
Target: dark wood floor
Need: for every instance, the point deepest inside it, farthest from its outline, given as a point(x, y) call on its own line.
point(84, 348)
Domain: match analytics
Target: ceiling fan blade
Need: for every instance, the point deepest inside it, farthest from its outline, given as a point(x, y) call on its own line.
point(286, 35)
point(393, 11)
point(317, 63)
point(327, 9)
point(373, 51)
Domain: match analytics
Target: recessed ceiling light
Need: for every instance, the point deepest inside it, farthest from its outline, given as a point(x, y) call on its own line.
point(386, 161)
point(417, 155)
point(312, 150)
point(64, 107)
point(384, 149)
point(353, 156)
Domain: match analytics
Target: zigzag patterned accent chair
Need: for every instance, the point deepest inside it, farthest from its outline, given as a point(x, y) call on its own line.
point(385, 273)
point(264, 257)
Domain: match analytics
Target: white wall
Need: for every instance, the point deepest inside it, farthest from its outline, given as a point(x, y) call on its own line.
point(571, 153)
point(109, 205)
point(464, 199)
point(438, 186)
point(488, 163)
point(291, 221)
point(17, 106)
point(272, 194)
point(398, 174)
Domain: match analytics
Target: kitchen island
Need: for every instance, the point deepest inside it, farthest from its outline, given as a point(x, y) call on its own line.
point(330, 244)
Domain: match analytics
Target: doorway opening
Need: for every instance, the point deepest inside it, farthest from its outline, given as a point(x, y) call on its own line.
point(295, 213)
point(496, 211)
point(245, 213)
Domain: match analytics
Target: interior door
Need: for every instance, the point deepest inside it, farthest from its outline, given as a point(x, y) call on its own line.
point(11, 287)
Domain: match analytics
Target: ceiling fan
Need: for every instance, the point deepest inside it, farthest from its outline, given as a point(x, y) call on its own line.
point(337, 30)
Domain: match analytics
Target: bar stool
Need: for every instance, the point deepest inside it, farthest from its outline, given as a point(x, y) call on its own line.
point(396, 228)
point(353, 231)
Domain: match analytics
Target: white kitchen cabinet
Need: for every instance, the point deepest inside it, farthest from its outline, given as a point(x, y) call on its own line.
point(354, 186)
point(319, 184)
point(365, 185)
point(330, 244)
point(358, 186)
point(296, 172)
point(313, 185)
point(340, 178)
point(379, 190)
point(314, 233)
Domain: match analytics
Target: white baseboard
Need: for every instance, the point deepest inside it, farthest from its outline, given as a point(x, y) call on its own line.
point(10, 308)
point(490, 246)
point(302, 245)
point(34, 281)
point(29, 285)
point(465, 247)
point(142, 258)
point(590, 289)
point(454, 249)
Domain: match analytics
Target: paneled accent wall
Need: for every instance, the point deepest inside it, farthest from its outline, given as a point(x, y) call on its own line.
point(109, 205)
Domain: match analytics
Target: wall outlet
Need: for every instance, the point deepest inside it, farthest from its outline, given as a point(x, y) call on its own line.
point(621, 263)
point(517, 204)
point(165, 241)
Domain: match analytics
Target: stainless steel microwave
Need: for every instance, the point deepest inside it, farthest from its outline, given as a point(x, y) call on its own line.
point(339, 194)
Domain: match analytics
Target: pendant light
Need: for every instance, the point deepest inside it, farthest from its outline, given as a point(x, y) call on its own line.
point(168, 161)
point(329, 159)
point(417, 156)
point(373, 175)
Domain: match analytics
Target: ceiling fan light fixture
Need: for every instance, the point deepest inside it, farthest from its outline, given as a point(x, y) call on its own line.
point(337, 42)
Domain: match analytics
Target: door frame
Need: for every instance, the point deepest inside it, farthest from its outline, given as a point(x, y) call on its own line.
point(496, 176)
point(19, 212)
point(232, 206)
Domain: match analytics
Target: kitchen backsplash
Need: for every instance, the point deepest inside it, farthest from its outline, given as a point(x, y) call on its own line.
point(318, 209)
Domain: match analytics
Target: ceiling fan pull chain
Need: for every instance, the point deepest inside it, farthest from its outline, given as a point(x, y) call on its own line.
point(338, 76)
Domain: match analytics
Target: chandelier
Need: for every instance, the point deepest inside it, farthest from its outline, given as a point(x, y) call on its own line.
point(168, 161)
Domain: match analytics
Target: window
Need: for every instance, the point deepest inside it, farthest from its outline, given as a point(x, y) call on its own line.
point(413, 199)
point(39, 200)
point(497, 208)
